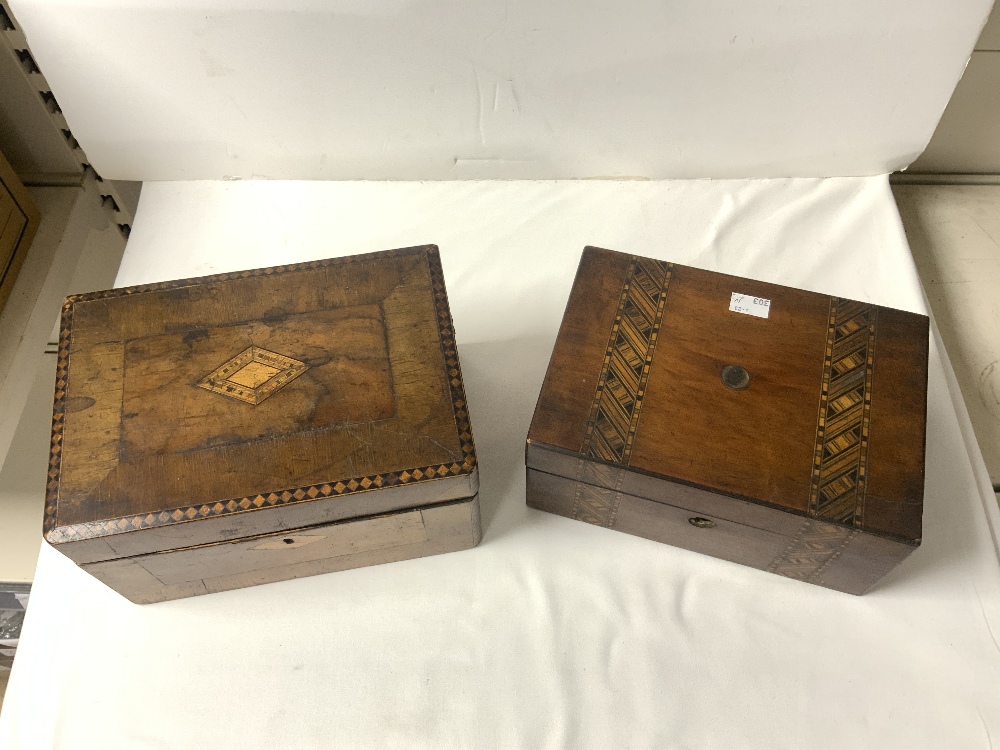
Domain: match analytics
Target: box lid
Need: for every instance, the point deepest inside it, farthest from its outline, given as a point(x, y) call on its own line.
point(809, 403)
point(213, 408)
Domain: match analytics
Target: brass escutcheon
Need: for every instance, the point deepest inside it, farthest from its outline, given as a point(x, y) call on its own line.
point(735, 377)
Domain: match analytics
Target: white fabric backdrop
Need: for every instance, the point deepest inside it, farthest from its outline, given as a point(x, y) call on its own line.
point(450, 89)
point(552, 633)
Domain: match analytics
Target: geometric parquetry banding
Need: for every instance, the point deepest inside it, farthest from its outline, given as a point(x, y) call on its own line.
point(840, 459)
point(253, 375)
point(598, 493)
point(614, 415)
point(812, 550)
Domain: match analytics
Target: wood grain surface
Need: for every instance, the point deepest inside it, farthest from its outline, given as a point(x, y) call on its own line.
point(227, 565)
point(19, 219)
point(206, 410)
point(830, 424)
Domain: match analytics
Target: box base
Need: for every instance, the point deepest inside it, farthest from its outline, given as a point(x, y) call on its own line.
point(222, 566)
point(821, 553)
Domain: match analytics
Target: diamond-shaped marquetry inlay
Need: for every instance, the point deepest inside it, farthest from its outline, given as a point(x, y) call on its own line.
point(253, 375)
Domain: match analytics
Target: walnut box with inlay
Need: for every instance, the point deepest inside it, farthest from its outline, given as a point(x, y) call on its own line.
point(778, 428)
point(249, 427)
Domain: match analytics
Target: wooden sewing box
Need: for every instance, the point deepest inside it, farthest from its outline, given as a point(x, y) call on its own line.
point(764, 425)
point(249, 427)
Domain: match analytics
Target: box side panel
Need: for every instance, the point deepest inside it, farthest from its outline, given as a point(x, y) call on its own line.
point(663, 491)
point(236, 526)
point(651, 520)
point(894, 496)
point(817, 552)
point(293, 554)
point(567, 395)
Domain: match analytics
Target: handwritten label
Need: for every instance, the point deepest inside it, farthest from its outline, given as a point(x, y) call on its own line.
point(744, 303)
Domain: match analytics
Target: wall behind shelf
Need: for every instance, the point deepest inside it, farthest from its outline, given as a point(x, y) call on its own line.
point(967, 140)
point(439, 89)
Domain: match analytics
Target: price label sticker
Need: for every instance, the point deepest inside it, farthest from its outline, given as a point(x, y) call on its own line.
point(744, 303)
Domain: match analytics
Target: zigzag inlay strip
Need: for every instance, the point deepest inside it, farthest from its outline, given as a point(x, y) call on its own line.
point(812, 550)
point(614, 415)
point(840, 459)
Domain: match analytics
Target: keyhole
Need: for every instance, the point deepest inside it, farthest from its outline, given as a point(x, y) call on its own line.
point(735, 378)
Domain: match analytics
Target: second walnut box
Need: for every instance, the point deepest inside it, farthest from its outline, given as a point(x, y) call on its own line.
point(769, 426)
point(255, 426)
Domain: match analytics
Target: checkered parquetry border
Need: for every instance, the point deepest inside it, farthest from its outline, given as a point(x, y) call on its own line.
point(56, 534)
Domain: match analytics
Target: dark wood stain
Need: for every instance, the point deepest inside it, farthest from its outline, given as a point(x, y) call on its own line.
point(270, 399)
point(830, 427)
point(19, 220)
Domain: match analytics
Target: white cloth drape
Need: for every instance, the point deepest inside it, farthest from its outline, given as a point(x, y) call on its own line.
point(552, 633)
